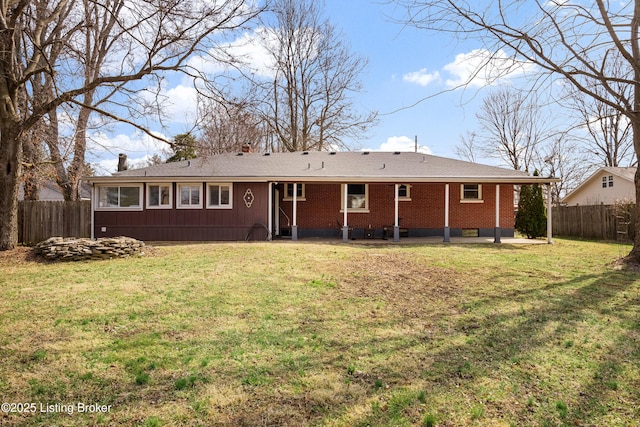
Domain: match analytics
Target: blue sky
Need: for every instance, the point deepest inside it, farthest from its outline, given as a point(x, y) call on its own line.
point(396, 53)
point(405, 66)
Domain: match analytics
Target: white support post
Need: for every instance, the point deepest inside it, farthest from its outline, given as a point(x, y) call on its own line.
point(396, 224)
point(93, 211)
point(447, 230)
point(294, 226)
point(549, 213)
point(345, 225)
point(270, 211)
point(497, 231)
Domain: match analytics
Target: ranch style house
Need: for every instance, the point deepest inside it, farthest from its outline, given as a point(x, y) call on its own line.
point(298, 195)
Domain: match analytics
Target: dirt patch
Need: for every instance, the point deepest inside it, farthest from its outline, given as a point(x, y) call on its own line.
point(18, 256)
point(626, 264)
point(409, 286)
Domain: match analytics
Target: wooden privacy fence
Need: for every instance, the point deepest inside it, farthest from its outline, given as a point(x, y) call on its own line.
point(600, 222)
point(37, 221)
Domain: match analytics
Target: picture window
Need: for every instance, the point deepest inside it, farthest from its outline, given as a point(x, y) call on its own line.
point(119, 197)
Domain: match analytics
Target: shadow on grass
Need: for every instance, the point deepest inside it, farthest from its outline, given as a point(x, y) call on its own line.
point(554, 374)
point(516, 356)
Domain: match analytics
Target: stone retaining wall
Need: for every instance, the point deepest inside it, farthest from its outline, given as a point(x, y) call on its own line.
point(72, 249)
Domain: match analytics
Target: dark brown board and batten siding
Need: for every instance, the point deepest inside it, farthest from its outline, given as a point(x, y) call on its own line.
point(202, 224)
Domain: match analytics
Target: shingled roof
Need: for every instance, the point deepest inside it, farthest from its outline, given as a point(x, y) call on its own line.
point(353, 166)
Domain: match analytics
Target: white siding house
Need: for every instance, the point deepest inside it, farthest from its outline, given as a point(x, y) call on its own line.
point(607, 186)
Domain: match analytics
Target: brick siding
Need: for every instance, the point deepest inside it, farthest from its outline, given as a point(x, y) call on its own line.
point(321, 207)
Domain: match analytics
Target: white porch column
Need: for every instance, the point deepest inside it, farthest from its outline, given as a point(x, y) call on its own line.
point(93, 211)
point(270, 211)
point(447, 231)
point(497, 232)
point(294, 226)
point(549, 213)
point(396, 224)
point(345, 225)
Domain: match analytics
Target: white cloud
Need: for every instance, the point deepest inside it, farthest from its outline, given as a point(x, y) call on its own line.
point(104, 149)
point(128, 144)
point(250, 51)
point(422, 77)
point(182, 104)
point(401, 143)
point(179, 103)
point(481, 67)
point(110, 165)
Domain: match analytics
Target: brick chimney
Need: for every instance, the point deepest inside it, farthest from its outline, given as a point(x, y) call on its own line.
point(122, 162)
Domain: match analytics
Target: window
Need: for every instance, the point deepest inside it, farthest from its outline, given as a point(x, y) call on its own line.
point(471, 193)
point(604, 182)
point(189, 196)
point(219, 196)
point(610, 180)
point(159, 196)
point(288, 192)
point(357, 197)
point(404, 192)
point(119, 197)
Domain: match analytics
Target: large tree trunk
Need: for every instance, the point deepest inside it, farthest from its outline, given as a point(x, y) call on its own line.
point(76, 169)
point(634, 255)
point(10, 172)
point(32, 157)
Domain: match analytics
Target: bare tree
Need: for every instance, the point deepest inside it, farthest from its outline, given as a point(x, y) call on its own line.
point(512, 128)
point(608, 131)
point(562, 159)
point(574, 41)
point(229, 127)
point(307, 103)
point(467, 148)
point(156, 37)
point(91, 43)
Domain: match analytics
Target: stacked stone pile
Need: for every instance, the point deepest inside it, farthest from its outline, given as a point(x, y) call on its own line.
point(72, 249)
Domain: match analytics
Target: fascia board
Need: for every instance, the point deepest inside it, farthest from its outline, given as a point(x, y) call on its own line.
point(340, 179)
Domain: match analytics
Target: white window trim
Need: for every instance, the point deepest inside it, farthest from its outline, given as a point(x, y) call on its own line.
point(299, 198)
point(220, 184)
point(478, 200)
point(161, 184)
point(355, 210)
point(179, 204)
point(406, 198)
point(118, 208)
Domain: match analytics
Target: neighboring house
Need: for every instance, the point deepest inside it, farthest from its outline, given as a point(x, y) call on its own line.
point(606, 186)
point(50, 191)
point(308, 194)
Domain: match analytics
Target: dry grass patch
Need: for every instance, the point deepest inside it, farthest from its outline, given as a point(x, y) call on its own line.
point(321, 334)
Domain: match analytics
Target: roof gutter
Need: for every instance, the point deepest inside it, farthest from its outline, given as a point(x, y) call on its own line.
point(332, 179)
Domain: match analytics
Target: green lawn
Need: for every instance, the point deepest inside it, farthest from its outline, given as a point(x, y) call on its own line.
point(266, 334)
